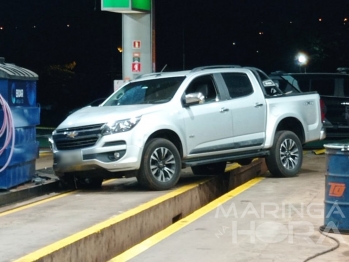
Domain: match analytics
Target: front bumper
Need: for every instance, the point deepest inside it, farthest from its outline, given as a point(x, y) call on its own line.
point(113, 153)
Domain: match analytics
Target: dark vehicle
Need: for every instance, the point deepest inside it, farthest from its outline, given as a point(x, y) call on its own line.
point(333, 89)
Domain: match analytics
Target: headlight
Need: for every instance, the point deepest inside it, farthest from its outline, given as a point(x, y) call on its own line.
point(120, 126)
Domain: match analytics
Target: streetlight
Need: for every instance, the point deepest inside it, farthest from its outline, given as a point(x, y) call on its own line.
point(302, 61)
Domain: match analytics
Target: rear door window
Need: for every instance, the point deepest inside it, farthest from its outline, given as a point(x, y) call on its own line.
point(238, 84)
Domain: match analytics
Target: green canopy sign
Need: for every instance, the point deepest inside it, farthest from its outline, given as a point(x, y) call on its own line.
point(126, 6)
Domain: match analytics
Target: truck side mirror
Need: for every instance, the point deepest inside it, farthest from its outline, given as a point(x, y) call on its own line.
point(193, 99)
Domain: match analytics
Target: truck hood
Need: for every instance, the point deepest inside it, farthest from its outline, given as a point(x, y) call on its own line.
point(104, 114)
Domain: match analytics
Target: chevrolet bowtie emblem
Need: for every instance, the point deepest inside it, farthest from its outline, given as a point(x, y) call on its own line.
point(72, 134)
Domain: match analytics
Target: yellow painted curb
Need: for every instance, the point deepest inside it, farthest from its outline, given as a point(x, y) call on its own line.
point(319, 151)
point(36, 255)
point(146, 244)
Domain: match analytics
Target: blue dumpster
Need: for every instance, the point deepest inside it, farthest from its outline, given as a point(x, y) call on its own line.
point(18, 91)
point(337, 189)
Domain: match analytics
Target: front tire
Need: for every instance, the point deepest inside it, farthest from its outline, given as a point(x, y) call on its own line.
point(160, 166)
point(66, 182)
point(89, 183)
point(69, 181)
point(286, 155)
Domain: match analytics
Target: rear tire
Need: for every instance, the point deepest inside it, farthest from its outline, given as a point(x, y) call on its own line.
point(160, 166)
point(286, 155)
point(209, 169)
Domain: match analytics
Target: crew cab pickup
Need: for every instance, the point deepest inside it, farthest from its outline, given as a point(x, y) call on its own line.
point(155, 125)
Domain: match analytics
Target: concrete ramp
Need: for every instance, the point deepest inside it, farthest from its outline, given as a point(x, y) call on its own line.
point(110, 238)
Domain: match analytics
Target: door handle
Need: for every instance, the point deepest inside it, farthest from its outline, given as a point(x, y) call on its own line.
point(224, 109)
point(258, 105)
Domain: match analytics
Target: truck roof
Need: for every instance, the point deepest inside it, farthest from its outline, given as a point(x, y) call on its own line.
point(186, 72)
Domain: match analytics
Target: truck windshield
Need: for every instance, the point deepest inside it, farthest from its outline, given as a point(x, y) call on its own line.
point(155, 91)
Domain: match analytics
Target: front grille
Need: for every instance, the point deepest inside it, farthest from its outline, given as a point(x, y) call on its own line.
point(83, 136)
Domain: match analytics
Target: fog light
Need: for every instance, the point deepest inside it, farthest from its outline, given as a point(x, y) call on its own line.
point(116, 155)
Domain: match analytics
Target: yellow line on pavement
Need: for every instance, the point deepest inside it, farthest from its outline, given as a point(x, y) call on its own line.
point(38, 202)
point(45, 153)
point(16, 209)
point(146, 244)
point(36, 255)
point(319, 151)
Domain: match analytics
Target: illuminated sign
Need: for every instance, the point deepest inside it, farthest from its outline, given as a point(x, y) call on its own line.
point(126, 6)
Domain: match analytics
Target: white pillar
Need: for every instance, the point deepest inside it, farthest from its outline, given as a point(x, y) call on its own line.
point(136, 45)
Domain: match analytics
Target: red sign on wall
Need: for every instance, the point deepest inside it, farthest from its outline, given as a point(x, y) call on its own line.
point(136, 44)
point(136, 67)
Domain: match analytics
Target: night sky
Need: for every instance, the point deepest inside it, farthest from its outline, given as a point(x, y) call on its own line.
point(266, 34)
point(45, 35)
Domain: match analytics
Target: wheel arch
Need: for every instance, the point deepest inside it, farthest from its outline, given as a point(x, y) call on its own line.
point(169, 135)
point(294, 125)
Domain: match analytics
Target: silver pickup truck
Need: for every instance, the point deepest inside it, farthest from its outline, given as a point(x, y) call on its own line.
point(155, 125)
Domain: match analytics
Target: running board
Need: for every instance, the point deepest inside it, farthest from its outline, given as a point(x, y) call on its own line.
point(221, 158)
